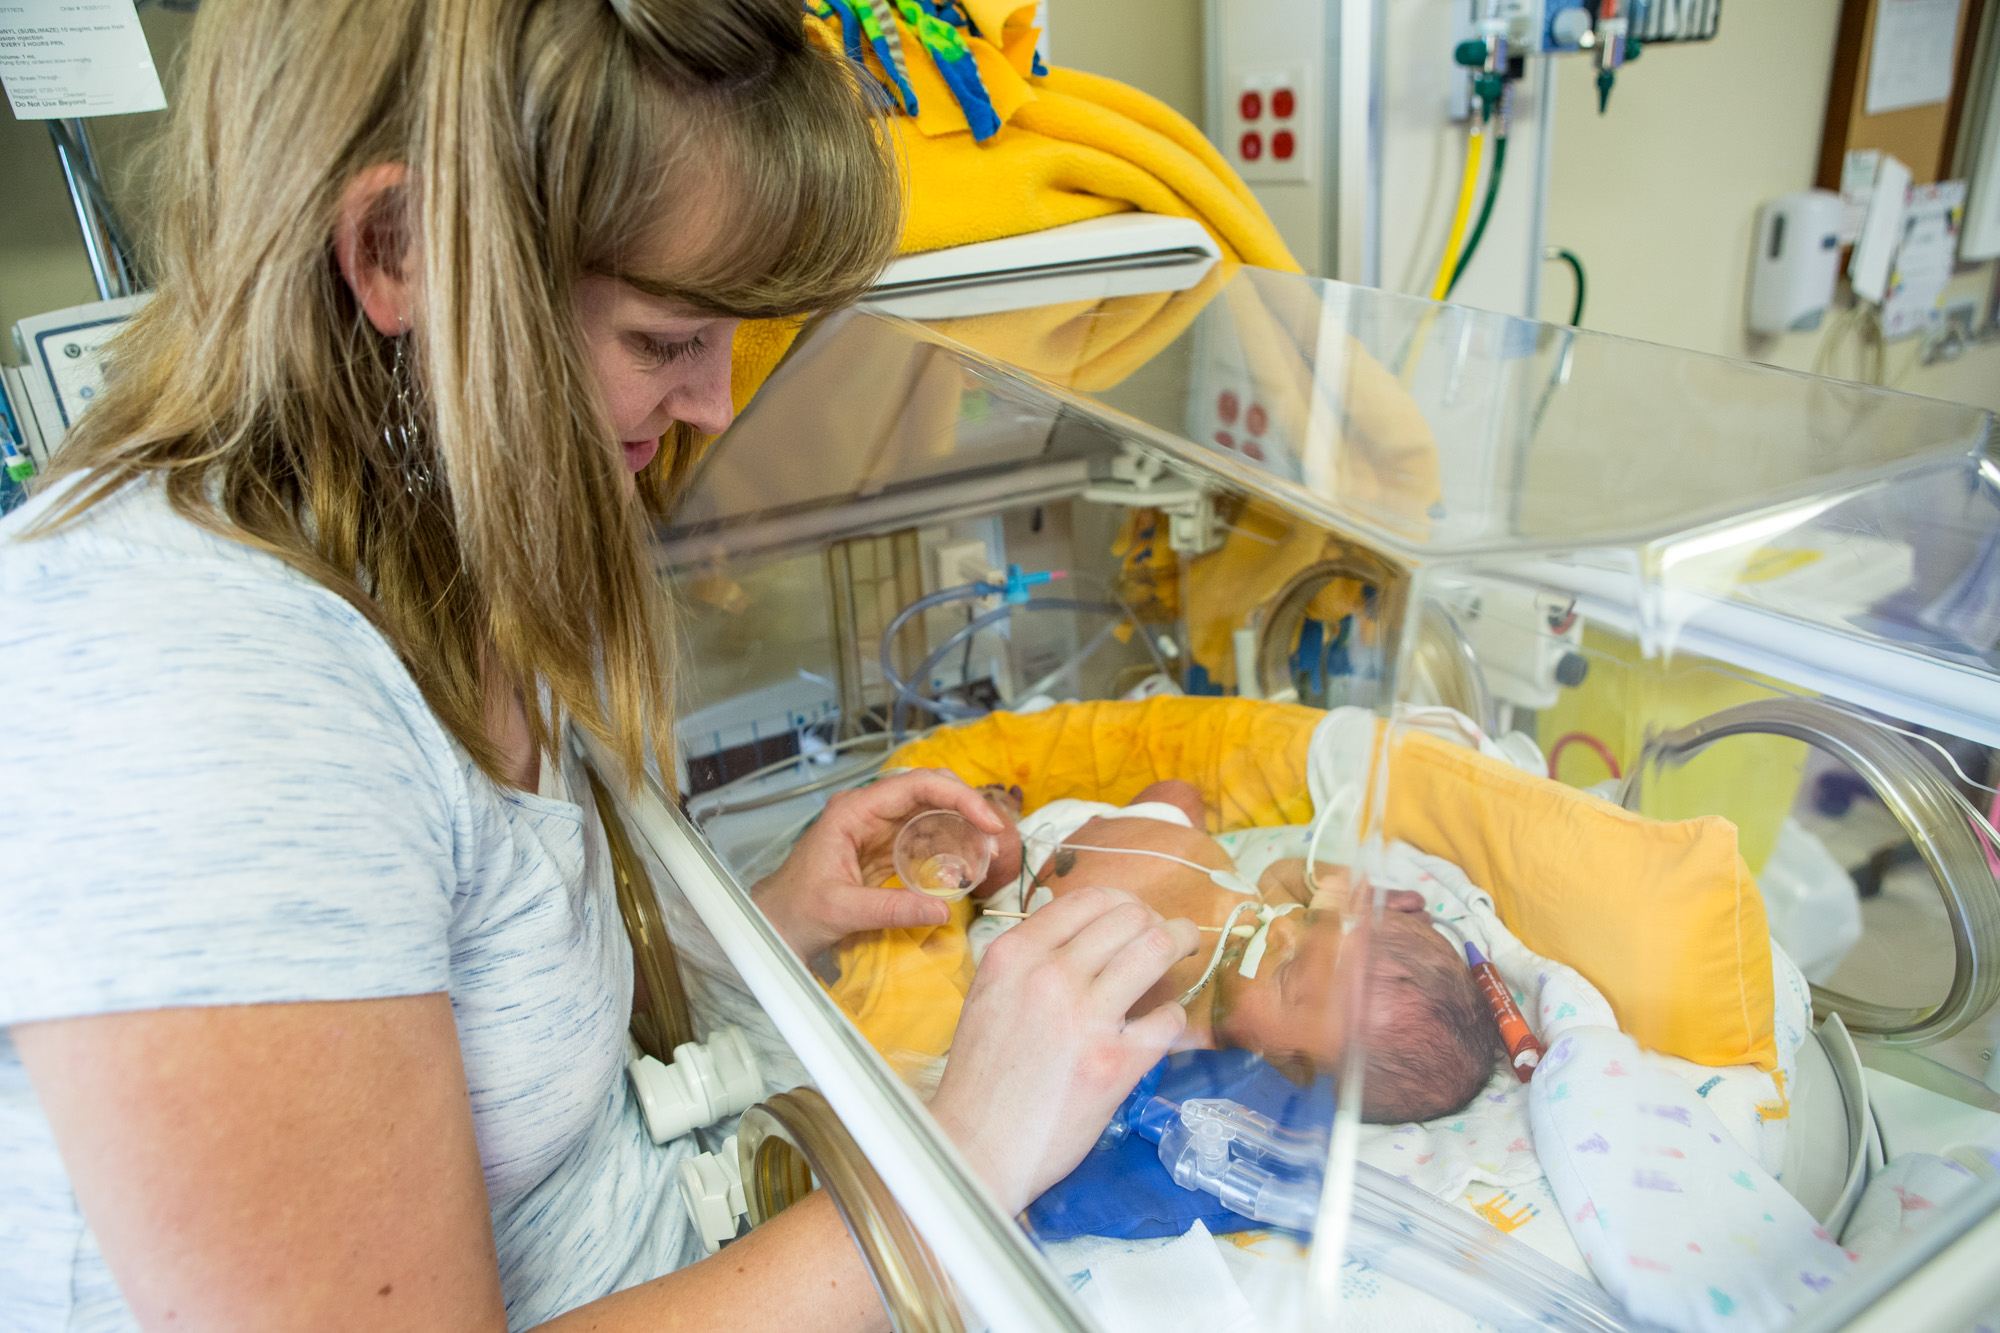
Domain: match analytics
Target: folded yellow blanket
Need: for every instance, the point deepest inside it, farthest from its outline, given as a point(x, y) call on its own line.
point(1662, 916)
point(1070, 146)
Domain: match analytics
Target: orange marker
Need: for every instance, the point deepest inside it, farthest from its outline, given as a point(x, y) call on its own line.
point(1522, 1047)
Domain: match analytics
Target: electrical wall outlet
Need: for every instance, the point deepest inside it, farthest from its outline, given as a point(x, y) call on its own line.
point(963, 562)
point(1269, 126)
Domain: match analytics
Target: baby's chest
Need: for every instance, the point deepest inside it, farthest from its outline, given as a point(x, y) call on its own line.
point(1167, 868)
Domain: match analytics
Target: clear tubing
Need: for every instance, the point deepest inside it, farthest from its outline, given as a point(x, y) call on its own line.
point(1253, 1135)
point(1405, 1233)
point(906, 692)
point(1992, 852)
point(941, 597)
point(1260, 1170)
point(1068, 667)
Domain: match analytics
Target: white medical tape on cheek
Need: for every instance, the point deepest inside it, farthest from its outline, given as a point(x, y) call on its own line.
point(1228, 932)
point(1253, 952)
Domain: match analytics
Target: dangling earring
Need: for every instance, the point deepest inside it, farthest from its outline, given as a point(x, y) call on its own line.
point(404, 435)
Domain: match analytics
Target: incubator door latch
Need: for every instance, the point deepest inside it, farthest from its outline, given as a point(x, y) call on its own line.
point(711, 1185)
point(706, 1082)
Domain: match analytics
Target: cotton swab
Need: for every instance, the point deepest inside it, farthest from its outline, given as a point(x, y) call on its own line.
point(1241, 932)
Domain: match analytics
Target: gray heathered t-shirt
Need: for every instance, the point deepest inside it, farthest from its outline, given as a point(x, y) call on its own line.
point(220, 786)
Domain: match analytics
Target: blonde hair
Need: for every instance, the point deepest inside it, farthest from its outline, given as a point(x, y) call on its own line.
point(545, 140)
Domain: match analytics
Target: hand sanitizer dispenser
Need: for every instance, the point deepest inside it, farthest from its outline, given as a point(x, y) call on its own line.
point(1797, 262)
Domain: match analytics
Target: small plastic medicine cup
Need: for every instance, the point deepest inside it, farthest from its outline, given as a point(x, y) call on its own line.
point(939, 852)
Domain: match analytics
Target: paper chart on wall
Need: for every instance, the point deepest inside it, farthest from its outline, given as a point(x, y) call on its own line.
point(1910, 62)
point(1924, 259)
point(79, 58)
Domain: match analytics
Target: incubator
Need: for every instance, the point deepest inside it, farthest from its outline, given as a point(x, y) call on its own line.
point(1374, 636)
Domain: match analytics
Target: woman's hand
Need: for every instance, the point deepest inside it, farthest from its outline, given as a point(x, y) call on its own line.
point(821, 894)
point(1044, 1053)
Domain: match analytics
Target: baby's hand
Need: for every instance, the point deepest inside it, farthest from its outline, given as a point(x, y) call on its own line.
point(1335, 889)
point(1285, 882)
point(1005, 867)
point(1007, 801)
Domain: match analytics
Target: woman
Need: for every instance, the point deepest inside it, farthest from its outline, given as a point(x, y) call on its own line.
point(311, 1003)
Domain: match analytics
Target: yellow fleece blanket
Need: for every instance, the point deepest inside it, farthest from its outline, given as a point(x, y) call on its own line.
point(1661, 916)
point(1071, 146)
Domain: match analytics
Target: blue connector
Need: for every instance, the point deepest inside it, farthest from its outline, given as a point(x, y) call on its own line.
point(1016, 590)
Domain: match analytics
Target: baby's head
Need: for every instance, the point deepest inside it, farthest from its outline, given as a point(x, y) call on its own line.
point(1430, 1036)
point(1430, 1033)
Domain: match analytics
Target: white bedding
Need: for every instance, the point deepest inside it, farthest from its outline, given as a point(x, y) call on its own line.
point(1601, 1113)
point(1489, 1157)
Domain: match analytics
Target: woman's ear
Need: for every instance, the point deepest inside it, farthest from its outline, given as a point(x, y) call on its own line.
point(373, 246)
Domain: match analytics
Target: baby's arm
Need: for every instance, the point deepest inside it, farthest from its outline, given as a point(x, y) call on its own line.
point(1285, 882)
point(1183, 796)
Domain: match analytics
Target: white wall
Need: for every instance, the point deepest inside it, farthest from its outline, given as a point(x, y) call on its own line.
point(1155, 45)
point(1660, 196)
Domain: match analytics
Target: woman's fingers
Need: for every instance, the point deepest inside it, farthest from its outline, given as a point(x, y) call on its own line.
point(895, 799)
point(1107, 940)
point(1054, 926)
point(1135, 969)
point(852, 909)
point(1148, 1040)
point(1043, 1053)
point(1109, 934)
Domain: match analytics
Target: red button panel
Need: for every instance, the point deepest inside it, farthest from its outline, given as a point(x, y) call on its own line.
point(1250, 105)
point(1251, 147)
point(1282, 104)
point(1282, 145)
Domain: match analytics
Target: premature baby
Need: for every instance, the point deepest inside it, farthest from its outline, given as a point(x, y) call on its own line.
point(1431, 1041)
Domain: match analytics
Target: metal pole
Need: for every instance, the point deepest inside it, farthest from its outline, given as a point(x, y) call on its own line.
point(1545, 152)
point(110, 266)
point(1356, 71)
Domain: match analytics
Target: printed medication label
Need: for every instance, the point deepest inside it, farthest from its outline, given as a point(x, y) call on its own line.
point(64, 58)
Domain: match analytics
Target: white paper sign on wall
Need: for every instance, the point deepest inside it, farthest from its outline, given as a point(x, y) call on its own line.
point(76, 58)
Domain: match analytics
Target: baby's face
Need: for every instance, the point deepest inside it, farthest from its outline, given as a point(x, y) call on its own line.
point(1295, 1011)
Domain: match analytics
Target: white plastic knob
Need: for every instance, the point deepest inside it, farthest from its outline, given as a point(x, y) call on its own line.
point(1571, 27)
point(711, 1186)
point(705, 1083)
point(741, 1081)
